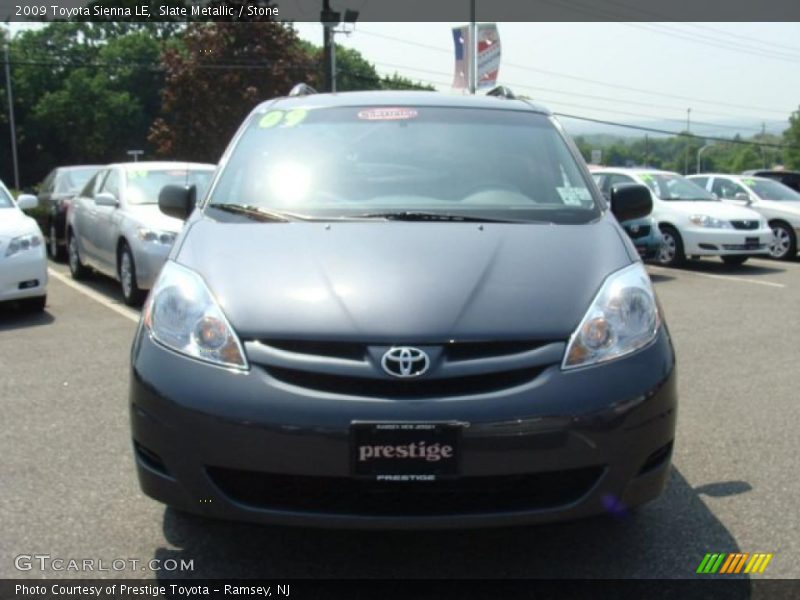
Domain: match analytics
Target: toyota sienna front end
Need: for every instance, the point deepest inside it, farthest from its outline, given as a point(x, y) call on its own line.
point(402, 310)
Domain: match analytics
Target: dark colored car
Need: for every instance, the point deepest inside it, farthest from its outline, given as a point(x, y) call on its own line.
point(402, 310)
point(57, 191)
point(787, 178)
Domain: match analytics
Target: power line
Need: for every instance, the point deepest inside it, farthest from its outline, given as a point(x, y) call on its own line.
point(586, 79)
point(590, 96)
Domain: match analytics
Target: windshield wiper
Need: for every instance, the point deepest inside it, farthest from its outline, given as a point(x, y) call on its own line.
point(259, 213)
point(409, 215)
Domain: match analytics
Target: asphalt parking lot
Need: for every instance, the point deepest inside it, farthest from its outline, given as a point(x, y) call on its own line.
point(70, 490)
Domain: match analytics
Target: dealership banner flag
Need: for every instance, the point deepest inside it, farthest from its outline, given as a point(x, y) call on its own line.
point(488, 56)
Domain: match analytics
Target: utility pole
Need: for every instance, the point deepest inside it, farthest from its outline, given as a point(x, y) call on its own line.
point(329, 20)
point(11, 123)
point(688, 140)
point(646, 149)
point(473, 49)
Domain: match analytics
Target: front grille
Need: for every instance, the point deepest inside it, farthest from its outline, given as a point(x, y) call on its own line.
point(454, 351)
point(405, 389)
point(638, 232)
point(745, 224)
point(467, 495)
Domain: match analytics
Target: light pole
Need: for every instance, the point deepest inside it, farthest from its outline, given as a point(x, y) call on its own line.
point(11, 123)
point(688, 140)
point(473, 49)
point(700, 154)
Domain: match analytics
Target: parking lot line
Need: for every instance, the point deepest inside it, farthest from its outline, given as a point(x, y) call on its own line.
point(125, 312)
point(723, 277)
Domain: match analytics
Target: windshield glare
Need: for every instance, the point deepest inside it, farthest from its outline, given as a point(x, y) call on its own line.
point(772, 190)
point(667, 186)
point(349, 161)
point(144, 185)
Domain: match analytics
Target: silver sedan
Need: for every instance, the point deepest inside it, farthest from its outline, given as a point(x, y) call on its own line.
point(115, 226)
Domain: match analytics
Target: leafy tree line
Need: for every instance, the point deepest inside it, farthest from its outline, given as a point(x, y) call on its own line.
point(671, 153)
point(86, 92)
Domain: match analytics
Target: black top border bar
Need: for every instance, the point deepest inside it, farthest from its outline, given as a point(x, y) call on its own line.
point(404, 10)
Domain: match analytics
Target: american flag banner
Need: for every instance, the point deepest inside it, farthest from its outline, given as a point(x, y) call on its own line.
point(489, 53)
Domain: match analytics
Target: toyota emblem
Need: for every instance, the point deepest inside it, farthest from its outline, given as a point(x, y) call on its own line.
point(405, 361)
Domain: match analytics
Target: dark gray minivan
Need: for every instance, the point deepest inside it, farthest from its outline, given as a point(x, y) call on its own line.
point(402, 309)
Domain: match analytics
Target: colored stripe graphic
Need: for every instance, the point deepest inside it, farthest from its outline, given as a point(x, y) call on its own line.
point(733, 563)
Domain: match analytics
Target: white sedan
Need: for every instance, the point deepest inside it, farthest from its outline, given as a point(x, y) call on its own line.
point(23, 261)
point(776, 202)
point(694, 223)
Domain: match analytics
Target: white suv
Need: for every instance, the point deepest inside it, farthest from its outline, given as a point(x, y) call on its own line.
point(694, 223)
point(776, 202)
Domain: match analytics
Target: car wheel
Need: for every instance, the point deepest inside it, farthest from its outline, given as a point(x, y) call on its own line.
point(131, 293)
point(35, 304)
point(55, 251)
point(671, 253)
point(784, 242)
point(734, 260)
point(76, 268)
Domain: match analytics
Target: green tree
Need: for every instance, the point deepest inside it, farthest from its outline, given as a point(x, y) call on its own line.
point(791, 137)
point(217, 75)
point(84, 92)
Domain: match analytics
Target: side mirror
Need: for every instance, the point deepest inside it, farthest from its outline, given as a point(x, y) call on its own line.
point(27, 201)
point(177, 201)
point(743, 197)
point(630, 201)
point(106, 199)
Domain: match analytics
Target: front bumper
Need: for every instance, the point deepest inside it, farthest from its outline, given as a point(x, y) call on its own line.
point(699, 241)
point(149, 258)
point(243, 446)
point(19, 272)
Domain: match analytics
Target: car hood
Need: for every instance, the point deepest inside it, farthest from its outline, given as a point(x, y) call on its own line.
point(149, 215)
point(402, 282)
point(14, 222)
point(790, 208)
point(713, 208)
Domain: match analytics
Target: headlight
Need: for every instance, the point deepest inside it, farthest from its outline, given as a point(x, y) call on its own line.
point(182, 314)
point(23, 243)
point(158, 237)
point(710, 222)
point(622, 318)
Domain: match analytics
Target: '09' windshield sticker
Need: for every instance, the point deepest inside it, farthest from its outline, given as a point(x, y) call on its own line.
point(270, 119)
point(387, 114)
point(284, 119)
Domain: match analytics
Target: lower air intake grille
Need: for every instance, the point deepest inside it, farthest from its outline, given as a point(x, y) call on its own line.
point(468, 495)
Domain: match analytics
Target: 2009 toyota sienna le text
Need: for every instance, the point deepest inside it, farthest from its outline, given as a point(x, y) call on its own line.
point(402, 310)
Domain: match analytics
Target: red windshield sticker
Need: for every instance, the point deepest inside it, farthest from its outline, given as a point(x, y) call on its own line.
point(387, 114)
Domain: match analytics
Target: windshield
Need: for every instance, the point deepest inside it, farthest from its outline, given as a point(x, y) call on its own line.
point(425, 163)
point(772, 190)
point(5, 198)
point(145, 184)
point(71, 181)
point(668, 186)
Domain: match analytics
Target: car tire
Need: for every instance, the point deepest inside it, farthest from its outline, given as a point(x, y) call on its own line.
point(55, 251)
point(35, 304)
point(126, 269)
point(76, 268)
point(784, 245)
point(734, 260)
point(671, 253)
